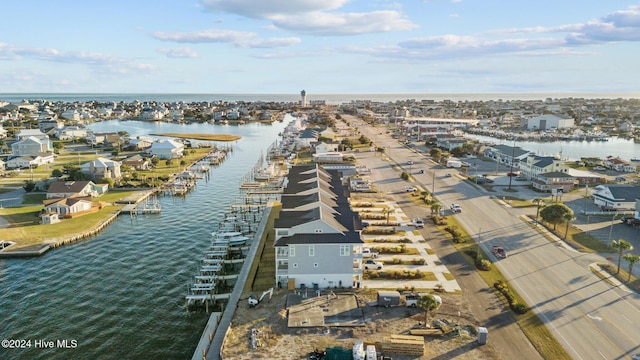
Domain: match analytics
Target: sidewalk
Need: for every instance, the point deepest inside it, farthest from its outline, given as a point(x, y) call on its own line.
point(433, 264)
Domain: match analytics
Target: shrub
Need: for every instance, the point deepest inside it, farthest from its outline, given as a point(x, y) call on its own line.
point(483, 264)
point(519, 308)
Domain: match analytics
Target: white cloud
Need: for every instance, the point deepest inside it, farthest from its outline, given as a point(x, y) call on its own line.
point(264, 9)
point(320, 23)
point(316, 17)
point(237, 38)
point(179, 52)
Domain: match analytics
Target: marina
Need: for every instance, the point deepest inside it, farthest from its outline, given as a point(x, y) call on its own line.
point(111, 288)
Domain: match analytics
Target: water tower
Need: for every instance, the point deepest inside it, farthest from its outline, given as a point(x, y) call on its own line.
point(303, 98)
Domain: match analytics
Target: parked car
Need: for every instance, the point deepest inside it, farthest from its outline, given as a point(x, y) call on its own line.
point(448, 175)
point(410, 189)
point(456, 208)
point(418, 223)
point(521, 178)
point(410, 162)
point(371, 264)
point(368, 253)
point(512, 174)
point(411, 300)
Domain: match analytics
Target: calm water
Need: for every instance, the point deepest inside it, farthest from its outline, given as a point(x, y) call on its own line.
point(121, 294)
point(574, 150)
point(329, 98)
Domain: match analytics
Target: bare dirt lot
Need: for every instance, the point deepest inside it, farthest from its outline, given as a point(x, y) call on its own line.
point(275, 340)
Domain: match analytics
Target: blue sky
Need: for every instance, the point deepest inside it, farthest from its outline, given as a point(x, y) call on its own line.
point(322, 46)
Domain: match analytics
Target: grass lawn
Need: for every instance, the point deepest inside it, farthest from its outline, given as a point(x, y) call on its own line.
point(26, 230)
point(533, 328)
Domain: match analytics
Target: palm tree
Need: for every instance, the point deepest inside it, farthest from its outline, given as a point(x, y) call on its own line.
point(386, 211)
point(436, 207)
point(632, 259)
point(622, 246)
point(568, 217)
point(428, 303)
point(537, 201)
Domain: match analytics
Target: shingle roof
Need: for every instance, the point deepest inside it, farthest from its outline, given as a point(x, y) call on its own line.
point(346, 238)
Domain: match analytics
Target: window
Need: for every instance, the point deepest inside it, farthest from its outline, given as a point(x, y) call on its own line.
point(292, 251)
point(295, 265)
point(318, 231)
point(344, 250)
point(284, 232)
point(312, 250)
point(315, 264)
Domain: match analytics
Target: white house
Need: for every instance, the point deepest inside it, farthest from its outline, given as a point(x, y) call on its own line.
point(71, 114)
point(71, 133)
point(67, 206)
point(64, 189)
point(166, 149)
point(29, 161)
point(102, 168)
point(31, 146)
point(36, 133)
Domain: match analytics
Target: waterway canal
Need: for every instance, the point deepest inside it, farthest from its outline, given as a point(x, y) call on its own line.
point(121, 293)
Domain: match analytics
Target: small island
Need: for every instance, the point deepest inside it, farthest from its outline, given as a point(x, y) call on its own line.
point(209, 137)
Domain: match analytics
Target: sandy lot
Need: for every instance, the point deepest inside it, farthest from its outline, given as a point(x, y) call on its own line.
point(275, 340)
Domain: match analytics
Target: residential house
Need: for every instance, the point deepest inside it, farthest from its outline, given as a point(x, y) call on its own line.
point(36, 133)
point(65, 207)
point(48, 124)
point(137, 162)
point(317, 240)
point(102, 168)
point(65, 189)
point(166, 149)
point(71, 114)
point(31, 146)
point(305, 138)
point(3, 132)
point(140, 143)
point(30, 162)
point(71, 133)
point(325, 147)
point(613, 197)
point(553, 181)
point(619, 164)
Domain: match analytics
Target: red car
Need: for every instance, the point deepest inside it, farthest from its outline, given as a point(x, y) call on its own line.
point(512, 174)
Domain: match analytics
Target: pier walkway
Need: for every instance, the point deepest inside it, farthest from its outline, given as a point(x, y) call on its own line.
point(215, 346)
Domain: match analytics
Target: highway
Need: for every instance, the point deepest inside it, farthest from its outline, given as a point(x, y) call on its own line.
point(591, 318)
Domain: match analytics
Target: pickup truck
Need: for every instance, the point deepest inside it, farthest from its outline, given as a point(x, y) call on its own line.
point(456, 208)
point(499, 252)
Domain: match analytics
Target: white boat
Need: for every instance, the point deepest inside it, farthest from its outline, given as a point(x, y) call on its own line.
point(233, 238)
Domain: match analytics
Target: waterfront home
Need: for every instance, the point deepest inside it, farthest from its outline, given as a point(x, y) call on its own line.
point(65, 189)
point(328, 157)
point(305, 138)
point(450, 141)
point(317, 241)
point(71, 114)
point(140, 143)
point(326, 147)
point(102, 168)
point(45, 125)
point(166, 149)
point(67, 207)
point(613, 197)
point(555, 180)
point(137, 162)
point(618, 164)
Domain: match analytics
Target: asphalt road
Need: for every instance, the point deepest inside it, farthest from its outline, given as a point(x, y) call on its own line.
point(589, 317)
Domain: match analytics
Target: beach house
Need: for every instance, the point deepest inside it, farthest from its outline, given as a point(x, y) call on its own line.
point(318, 243)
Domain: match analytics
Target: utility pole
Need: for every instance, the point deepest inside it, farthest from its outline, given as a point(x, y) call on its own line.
point(433, 183)
point(513, 153)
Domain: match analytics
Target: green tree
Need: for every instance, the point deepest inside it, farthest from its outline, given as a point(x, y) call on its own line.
point(155, 160)
point(429, 304)
point(622, 246)
point(435, 153)
point(538, 202)
point(56, 173)
point(29, 185)
point(631, 259)
point(554, 214)
point(568, 218)
point(436, 207)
